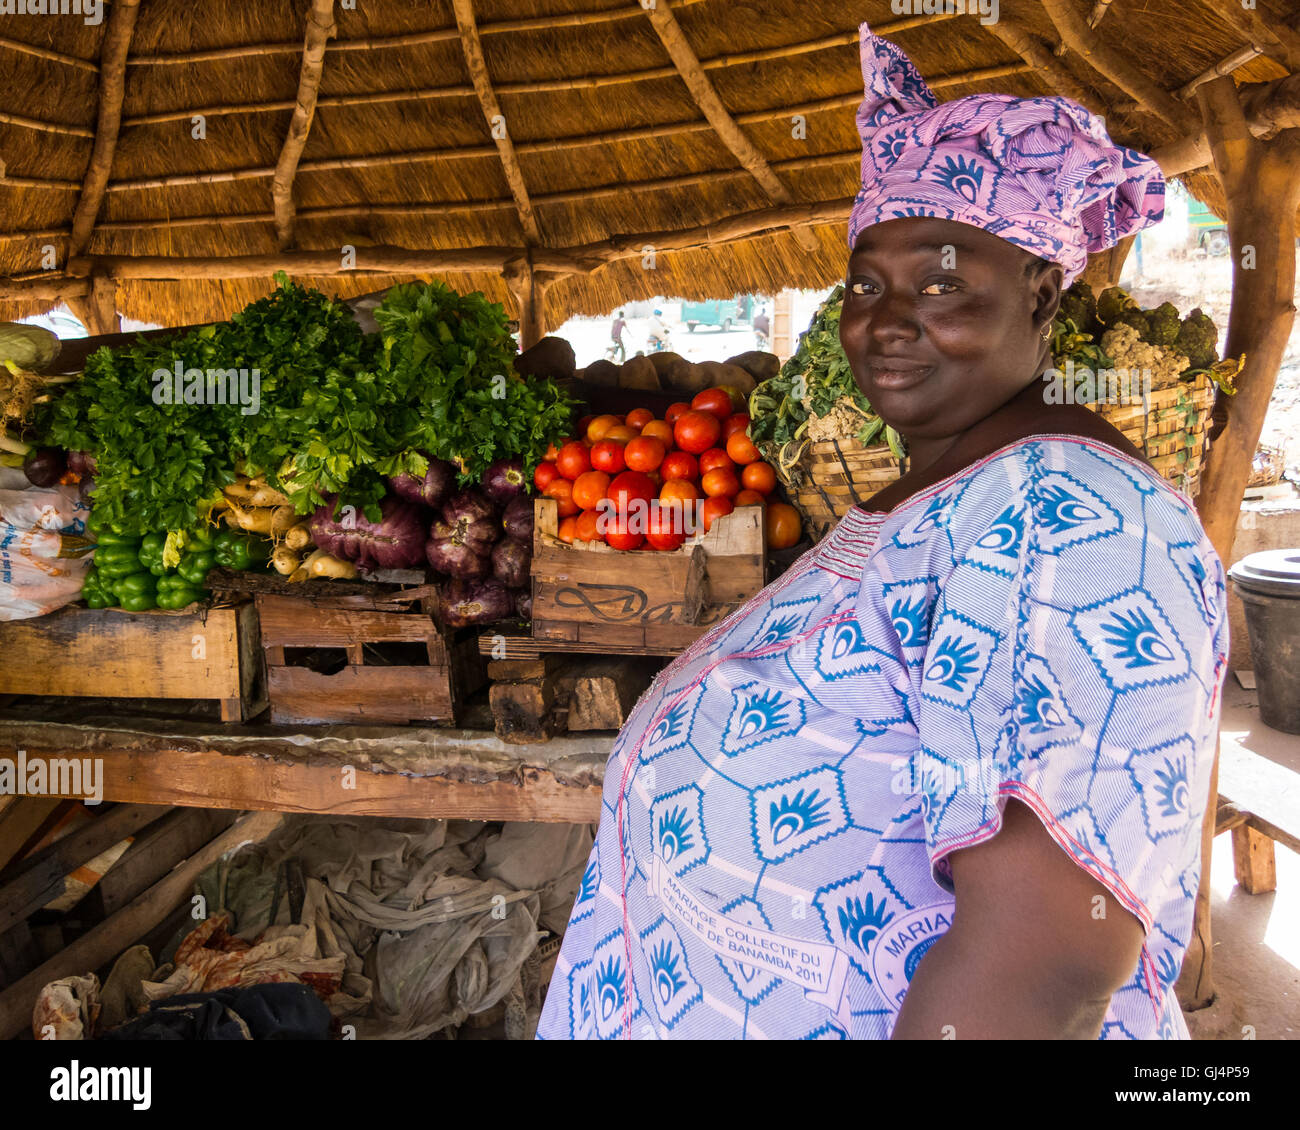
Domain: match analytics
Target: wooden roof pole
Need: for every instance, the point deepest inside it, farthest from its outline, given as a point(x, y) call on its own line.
point(320, 28)
point(1114, 65)
point(99, 316)
point(1034, 52)
point(1261, 183)
point(706, 98)
point(1273, 39)
point(472, 46)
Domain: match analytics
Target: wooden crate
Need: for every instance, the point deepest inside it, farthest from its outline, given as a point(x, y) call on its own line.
point(366, 688)
point(588, 595)
point(81, 652)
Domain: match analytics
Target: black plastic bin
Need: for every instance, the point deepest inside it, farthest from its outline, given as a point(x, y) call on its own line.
point(1269, 586)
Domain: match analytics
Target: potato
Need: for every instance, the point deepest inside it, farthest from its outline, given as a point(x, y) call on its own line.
point(685, 377)
point(664, 360)
point(602, 373)
point(638, 372)
point(733, 376)
point(760, 365)
point(550, 357)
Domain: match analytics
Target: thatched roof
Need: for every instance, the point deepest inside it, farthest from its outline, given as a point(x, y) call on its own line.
point(611, 131)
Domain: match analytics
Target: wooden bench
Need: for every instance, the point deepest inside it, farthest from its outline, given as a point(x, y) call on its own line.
point(1259, 803)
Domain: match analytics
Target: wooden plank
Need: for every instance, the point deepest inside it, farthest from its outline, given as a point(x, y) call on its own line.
point(522, 711)
point(361, 694)
point(40, 878)
point(110, 653)
point(18, 954)
point(1254, 860)
point(286, 622)
point(175, 837)
point(513, 670)
point(1267, 791)
point(600, 695)
point(21, 821)
point(210, 779)
point(105, 941)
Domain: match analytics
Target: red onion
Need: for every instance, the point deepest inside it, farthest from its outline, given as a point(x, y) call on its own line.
point(432, 490)
point(518, 519)
point(510, 562)
point(475, 602)
point(504, 480)
point(396, 541)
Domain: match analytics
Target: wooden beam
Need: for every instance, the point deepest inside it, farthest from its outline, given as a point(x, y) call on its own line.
point(1269, 108)
point(706, 98)
point(1224, 66)
point(21, 817)
point(51, 290)
point(1270, 37)
point(320, 28)
point(1253, 860)
point(112, 88)
point(529, 287)
point(45, 127)
point(476, 64)
point(97, 310)
point(104, 942)
point(1115, 65)
point(206, 778)
point(1036, 53)
point(91, 65)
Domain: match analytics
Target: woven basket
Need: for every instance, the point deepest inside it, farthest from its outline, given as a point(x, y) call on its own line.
point(831, 476)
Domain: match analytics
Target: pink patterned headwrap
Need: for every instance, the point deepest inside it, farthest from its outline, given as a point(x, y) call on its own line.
point(1038, 172)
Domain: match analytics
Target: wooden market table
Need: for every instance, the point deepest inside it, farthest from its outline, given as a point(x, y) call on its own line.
point(393, 771)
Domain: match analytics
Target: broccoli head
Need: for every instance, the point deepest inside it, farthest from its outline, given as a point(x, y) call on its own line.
point(1198, 339)
point(1079, 305)
point(1165, 324)
point(1111, 303)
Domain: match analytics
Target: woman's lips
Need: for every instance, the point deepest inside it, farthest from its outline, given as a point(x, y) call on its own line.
point(896, 375)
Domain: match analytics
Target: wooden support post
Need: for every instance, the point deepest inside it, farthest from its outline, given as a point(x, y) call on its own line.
point(1105, 267)
point(1261, 181)
point(1254, 860)
point(529, 287)
point(97, 310)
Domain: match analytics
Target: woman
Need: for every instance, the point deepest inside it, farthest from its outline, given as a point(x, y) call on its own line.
point(945, 777)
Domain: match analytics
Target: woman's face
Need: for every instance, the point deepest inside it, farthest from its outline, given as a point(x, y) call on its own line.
point(942, 323)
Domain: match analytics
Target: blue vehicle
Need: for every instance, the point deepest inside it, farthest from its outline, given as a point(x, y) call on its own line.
point(724, 313)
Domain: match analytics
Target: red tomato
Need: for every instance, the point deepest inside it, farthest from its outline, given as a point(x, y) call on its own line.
point(621, 433)
point(567, 530)
point(644, 453)
point(660, 430)
point(713, 509)
point(675, 410)
point(760, 477)
point(589, 488)
point(597, 428)
point(574, 460)
point(628, 486)
point(736, 422)
point(739, 401)
point(585, 528)
point(784, 528)
point(666, 528)
point(607, 456)
point(638, 418)
point(741, 448)
point(720, 481)
point(714, 458)
point(678, 490)
point(562, 491)
point(749, 497)
point(714, 400)
point(617, 535)
point(545, 475)
point(697, 431)
point(680, 465)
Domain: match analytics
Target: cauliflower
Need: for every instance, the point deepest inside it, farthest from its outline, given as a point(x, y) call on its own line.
point(1139, 358)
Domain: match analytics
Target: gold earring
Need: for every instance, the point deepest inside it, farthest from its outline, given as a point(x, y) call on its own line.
point(1047, 332)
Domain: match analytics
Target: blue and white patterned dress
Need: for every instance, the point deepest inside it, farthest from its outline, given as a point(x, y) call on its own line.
point(1047, 625)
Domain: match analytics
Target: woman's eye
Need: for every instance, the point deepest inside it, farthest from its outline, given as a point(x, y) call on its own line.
point(941, 286)
point(862, 288)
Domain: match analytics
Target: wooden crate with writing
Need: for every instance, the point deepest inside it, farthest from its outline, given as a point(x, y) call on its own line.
point(591, 597)
point(361, 660)
point(204, 653)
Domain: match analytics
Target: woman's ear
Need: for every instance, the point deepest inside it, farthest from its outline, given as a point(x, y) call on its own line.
point(1046, 284)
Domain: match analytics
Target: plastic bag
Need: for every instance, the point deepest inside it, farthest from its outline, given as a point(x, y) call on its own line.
point(44, 553)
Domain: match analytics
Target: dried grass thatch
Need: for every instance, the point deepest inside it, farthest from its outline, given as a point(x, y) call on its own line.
point(607, 137)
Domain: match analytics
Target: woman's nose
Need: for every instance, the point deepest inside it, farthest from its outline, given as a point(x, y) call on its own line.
point(892, 318)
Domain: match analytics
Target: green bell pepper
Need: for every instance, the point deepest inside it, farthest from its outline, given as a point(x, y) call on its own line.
point(151, 553)
point(117, 560)
point(194, 567)
point(240, 551)
point(173, 592)
point(107, 537)
point(94, 593)
point(133, 585)
point(200, 538)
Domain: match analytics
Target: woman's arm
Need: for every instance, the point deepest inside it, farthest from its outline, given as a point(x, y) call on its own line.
point(1036, 950)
